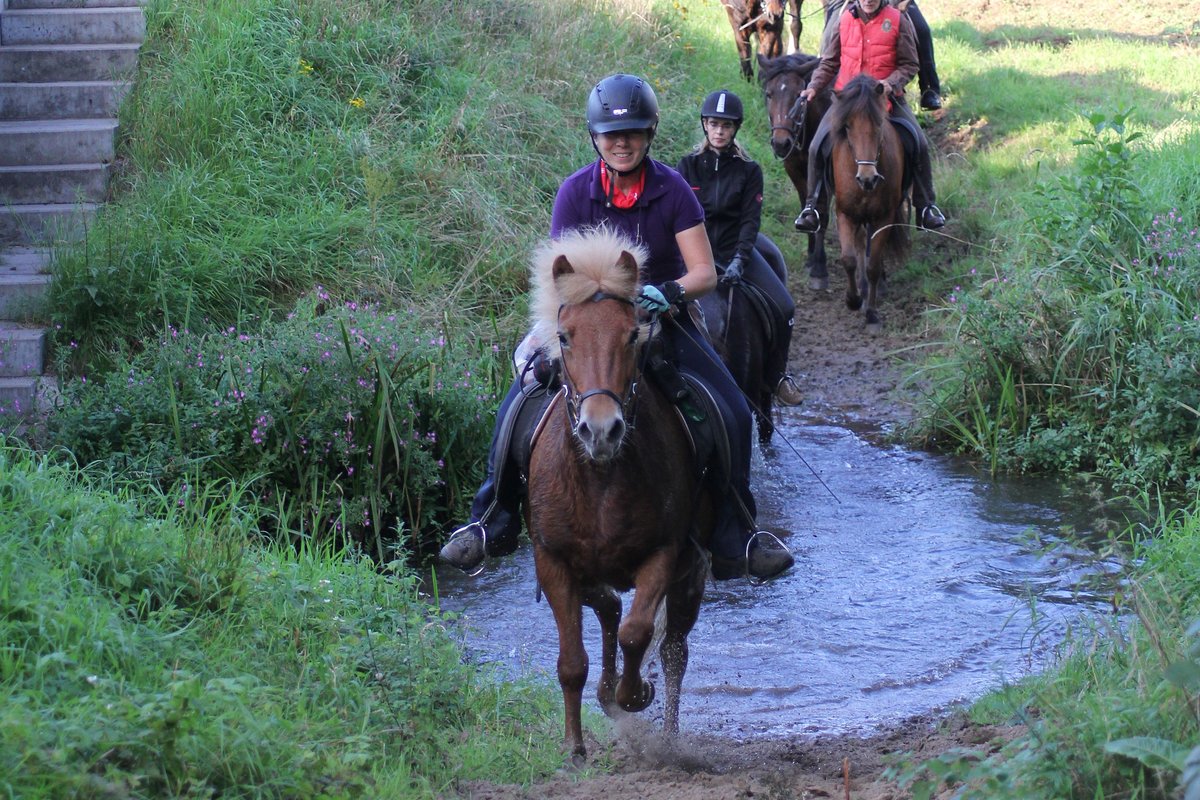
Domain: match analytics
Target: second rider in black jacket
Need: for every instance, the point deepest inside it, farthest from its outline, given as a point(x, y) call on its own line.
point(729, 185)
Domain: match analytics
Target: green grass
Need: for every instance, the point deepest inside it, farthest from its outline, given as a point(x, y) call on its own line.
point(151, 650)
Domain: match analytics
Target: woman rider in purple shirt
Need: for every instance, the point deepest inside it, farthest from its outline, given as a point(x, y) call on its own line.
point(652, 204)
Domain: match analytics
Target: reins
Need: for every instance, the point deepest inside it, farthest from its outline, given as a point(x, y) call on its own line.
point(796, 115)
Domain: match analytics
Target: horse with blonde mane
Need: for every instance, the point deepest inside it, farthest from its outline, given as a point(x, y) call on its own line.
point(616, 501)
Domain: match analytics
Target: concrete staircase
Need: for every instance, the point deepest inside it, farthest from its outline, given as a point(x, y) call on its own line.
point(64, 70)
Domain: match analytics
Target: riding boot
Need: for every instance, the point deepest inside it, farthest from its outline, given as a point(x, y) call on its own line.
point(495, 522)
point(809, 220)
point(739, 552)
point(929, 216)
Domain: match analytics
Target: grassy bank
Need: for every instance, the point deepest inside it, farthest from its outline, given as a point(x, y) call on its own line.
point(153, 650)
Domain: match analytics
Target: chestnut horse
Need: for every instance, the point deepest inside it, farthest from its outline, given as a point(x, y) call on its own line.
point(867, 164)
point(793, 123)
point(764, 19)
point(613, 505)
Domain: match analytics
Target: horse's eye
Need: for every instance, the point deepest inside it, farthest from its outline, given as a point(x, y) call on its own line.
point(562, 341)
point(633, 337)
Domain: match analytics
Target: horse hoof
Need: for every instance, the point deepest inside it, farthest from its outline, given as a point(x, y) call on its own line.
point(642, 703)
point(818, 284)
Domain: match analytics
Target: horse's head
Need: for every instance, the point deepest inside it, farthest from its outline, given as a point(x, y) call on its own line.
point(593, 277)
point(859, 119)
point(783, 79)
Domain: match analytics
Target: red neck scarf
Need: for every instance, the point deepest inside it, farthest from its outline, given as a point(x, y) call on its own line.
point(618, 197)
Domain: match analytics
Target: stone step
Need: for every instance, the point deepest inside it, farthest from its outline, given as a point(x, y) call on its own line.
point(28, 4)
point(19, 396)
point(23, 295)
point(72, 26)
point(47, 223)
point(61, 183)
point(28, 259)
point(62, 100)
point(24, 282)
point(22, 63)
point(68, 141)
point(22, 350)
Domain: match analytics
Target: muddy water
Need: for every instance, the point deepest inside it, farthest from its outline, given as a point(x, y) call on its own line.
point(919, 584)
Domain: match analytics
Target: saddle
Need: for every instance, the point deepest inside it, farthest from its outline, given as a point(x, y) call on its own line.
point(764, 308)
point(691, 397)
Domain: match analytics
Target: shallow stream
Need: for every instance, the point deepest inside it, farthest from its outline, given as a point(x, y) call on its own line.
point(919, 584)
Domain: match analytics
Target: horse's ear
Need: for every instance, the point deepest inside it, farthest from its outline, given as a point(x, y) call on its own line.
point(627, 262)
point(561, 267)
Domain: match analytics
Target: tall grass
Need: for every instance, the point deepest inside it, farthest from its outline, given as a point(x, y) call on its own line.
point(151, 651)
point(1070, 332)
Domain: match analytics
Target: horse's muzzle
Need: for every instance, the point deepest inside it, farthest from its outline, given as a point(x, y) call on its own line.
point(601, 436)
point(870, 181)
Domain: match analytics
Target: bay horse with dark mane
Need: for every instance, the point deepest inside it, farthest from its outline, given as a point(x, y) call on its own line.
point(615, 499)
point(763, 19)
point(793, 123)
point(867, 165)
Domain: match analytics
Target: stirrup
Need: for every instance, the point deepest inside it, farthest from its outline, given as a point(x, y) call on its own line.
point(937, 218)
point(808, 208)
point(776, 558)
point(787, 392)
point(470, 554)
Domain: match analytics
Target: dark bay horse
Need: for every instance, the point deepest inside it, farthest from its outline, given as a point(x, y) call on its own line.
point(739, 320)
point(763, 19)
point(615, 499)
point(867, 164)
point(793, 123)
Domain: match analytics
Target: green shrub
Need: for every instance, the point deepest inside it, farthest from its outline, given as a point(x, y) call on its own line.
point(345, 419)
point(1088, 360)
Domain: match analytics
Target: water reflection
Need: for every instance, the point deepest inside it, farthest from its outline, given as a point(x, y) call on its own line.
point(918, 584)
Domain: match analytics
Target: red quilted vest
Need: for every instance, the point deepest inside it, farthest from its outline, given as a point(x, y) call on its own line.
point(868, 47)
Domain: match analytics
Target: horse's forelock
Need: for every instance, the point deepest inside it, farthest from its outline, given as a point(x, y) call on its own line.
point(858, 97)
point(593, 254)
point(800, 63)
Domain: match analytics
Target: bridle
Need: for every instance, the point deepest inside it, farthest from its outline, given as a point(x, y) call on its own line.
point(873, 163)
point(797, 115)
point(628, 403)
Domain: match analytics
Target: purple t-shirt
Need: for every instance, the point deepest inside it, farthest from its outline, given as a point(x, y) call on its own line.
point(667, 206)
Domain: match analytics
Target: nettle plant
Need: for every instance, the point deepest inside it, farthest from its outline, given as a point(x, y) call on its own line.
point(347, 420)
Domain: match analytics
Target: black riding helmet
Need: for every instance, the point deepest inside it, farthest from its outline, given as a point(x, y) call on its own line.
point(722, 104)
point(622, 103)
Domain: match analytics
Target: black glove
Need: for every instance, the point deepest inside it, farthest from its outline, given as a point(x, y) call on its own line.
point(733, 272)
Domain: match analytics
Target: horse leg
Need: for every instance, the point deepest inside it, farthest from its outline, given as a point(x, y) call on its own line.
point(637, 629)
point(743, 47)
point(566, 601)
point(607, 605)
point(874, 276)
point(848, 238)
point(797, 25)
point(683, 608)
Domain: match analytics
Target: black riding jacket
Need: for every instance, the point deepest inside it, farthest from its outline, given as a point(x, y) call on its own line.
point(730, 189)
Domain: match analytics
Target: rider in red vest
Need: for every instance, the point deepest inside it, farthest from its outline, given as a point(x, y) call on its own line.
point(877, 39)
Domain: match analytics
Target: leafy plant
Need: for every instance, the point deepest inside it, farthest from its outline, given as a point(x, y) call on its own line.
point(345, 419)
